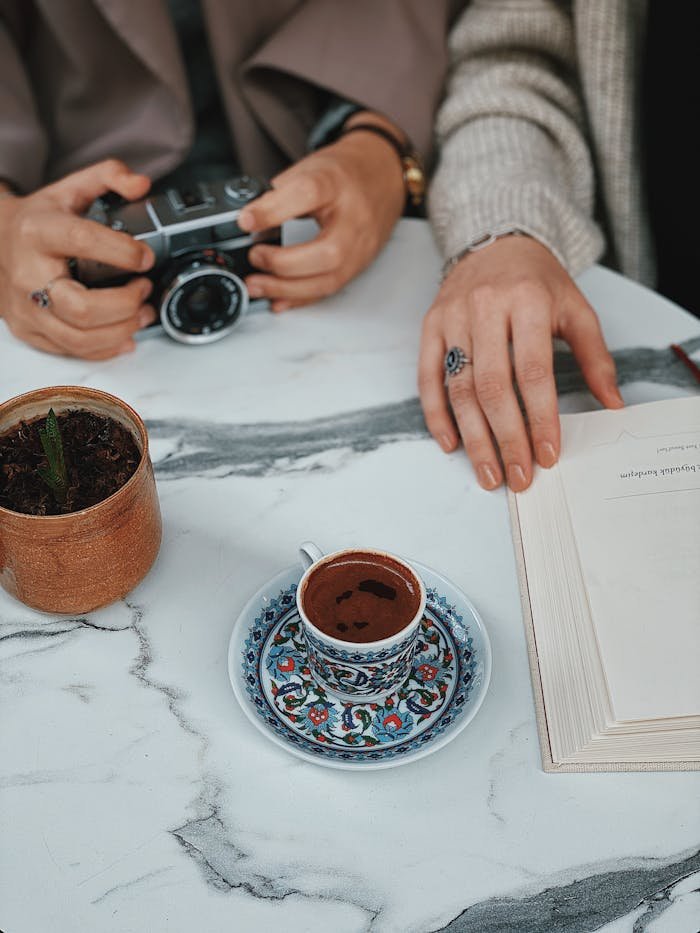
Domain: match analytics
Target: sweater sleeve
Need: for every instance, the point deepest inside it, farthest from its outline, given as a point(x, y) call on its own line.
point(23, 145)
point(513, 149)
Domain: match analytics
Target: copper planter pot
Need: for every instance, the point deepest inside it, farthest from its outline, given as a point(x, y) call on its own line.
point(83, 560)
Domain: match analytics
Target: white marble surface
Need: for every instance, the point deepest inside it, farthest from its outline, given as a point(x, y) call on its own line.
point(135, 796)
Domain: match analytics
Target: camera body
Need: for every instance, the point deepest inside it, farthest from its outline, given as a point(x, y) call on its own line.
point(201, 254)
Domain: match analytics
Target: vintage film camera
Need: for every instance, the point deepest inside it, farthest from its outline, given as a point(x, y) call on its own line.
point(201, 254)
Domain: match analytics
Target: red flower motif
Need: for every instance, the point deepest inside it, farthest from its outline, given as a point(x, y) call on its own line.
point(318, 715)
point(392, 722)
point(286, 665)
point(427, 672)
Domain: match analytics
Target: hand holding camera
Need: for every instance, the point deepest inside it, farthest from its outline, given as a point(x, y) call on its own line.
point(201, 254)
point(187, 242)
point(355, 190)
point(197, 255)
point(37, 235)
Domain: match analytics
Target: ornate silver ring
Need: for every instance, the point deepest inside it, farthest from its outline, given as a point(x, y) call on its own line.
point(41, 296)
point(455, 361)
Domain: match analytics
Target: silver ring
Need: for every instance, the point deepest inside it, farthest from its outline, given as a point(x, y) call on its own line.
point(455, 361)
point(41, 297)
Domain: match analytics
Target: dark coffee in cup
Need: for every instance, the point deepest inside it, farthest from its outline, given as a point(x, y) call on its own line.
point(361, 597)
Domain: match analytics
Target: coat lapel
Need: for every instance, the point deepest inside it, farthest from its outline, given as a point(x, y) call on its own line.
point(148, 30)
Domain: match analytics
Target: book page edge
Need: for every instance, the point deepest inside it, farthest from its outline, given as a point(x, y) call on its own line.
point(533, 659)
point(548, 765)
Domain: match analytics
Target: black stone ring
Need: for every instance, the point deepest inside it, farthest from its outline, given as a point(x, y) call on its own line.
point(455, 361)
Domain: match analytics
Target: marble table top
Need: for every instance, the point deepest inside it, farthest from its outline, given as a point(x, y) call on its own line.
point(134, 794)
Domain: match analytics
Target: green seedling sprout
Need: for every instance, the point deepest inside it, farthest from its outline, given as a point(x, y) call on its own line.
point(54, 474)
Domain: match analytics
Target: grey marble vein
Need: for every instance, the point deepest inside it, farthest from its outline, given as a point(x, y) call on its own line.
point(495, 763)
point(48, 628)
point(226, 866)
point(660, 902)
point(261, 449)
point(133, 882)
point(583, 906)
point(206, 837)
point(173, 696)
point(29, 636)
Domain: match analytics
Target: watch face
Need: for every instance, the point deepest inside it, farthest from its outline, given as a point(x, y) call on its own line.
point(414, 179)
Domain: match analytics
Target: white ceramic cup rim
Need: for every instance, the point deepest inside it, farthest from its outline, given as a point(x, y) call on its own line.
point(362, 646)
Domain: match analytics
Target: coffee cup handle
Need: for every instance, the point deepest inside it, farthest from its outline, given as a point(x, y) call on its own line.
point(309, 554)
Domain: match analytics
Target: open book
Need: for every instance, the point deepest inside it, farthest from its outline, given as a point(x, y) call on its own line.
point(608, 549)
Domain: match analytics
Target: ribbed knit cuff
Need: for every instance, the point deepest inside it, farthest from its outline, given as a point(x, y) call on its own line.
point(461, 219)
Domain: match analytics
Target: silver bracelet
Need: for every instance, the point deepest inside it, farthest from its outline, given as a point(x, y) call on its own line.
point(486, 240)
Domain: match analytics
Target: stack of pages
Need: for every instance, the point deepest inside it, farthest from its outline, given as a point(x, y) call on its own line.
point(608, 548)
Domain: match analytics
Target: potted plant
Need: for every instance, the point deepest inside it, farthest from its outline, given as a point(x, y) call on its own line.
point(80, 522)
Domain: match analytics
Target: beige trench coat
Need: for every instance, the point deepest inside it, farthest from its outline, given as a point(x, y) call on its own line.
point(82, 80)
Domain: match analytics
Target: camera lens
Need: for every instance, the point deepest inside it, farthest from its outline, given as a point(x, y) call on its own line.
point(202, 299)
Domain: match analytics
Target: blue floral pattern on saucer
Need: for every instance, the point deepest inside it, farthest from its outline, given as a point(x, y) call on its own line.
point(447, 681)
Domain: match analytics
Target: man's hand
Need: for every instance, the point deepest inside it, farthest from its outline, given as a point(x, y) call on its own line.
point(354, 190)
point(38, 234)
point(513, 291)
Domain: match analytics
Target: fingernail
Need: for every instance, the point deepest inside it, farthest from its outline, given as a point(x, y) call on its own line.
point(246, 220)
point(546, 455)
point(516, 477)
point(255, 290)
point(146, 317)
point(616, 393)
point(256, 256)
point(146, 260)
point(127, 347)
point(146, 289)
point(487, 476)
point(281, 306)
point(446, 442)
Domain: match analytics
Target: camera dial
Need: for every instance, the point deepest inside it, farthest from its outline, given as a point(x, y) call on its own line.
point(243, 188)
point(202, 297)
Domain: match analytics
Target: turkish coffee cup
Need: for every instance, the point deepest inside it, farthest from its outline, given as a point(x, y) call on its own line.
point(360, 611)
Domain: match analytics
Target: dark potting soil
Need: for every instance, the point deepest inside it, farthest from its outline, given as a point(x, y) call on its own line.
point(99, 453)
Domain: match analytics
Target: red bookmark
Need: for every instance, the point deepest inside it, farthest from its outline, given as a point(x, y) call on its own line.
point(684, 358)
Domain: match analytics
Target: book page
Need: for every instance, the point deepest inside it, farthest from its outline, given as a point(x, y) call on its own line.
point(632, 482)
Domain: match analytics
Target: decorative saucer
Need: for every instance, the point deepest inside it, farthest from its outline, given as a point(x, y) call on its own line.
point(271, 680)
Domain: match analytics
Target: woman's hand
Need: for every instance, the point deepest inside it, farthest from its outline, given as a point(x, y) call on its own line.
point(39, 232)
point(354, 189)
point(513, 291)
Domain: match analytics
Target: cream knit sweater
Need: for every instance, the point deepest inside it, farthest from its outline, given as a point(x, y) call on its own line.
point(539, 131)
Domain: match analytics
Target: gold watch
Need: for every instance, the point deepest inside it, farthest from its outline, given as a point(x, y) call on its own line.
point(413, 171)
